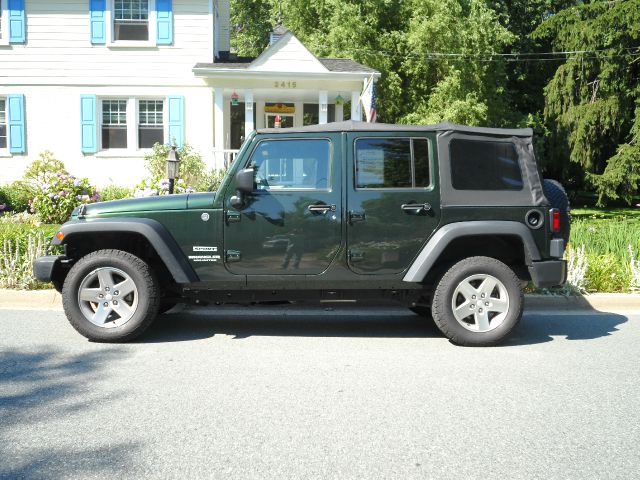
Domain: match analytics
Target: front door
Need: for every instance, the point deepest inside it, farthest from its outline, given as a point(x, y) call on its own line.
point(291, 223)
point(392, 200)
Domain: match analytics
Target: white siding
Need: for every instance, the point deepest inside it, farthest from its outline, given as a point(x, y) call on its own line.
point(58, 64)
point(285, 54)
point(53, 123)
point(59, 50)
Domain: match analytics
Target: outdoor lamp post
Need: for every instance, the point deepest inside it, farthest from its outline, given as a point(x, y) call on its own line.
point(173, 167)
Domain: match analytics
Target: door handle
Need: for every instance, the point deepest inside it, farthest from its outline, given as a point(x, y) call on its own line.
point(321, 208)
point(356, 216)
point(415, 207)
point(232, 217)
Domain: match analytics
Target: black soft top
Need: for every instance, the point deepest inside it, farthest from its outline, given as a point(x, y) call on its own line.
point(354, 126)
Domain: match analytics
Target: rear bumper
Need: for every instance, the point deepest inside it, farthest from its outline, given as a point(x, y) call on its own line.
point(548, 274)
point(43, 267)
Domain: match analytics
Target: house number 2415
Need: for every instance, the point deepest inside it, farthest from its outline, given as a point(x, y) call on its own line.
point(282, 84)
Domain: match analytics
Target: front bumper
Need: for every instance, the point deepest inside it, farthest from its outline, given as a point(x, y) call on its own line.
point(549, 273)
point(43, 267)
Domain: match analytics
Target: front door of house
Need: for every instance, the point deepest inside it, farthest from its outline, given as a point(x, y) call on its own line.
point(286, 120)
point(392, 200)
point(291, 223)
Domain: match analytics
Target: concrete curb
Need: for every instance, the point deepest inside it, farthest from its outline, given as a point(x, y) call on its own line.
point(606, 302)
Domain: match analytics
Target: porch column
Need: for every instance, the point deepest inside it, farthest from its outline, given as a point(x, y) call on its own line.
point(322, 107)
point(356, 111)
point(339, 112)
point(218, 118)
point(248, 113)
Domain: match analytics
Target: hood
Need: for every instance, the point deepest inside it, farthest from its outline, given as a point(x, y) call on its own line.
point(134, 205)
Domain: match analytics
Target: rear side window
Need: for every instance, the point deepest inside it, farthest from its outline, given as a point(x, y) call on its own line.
point(392, 163)
point(484, 165)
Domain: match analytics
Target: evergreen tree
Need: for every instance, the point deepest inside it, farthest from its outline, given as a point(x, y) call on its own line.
point(593, 100)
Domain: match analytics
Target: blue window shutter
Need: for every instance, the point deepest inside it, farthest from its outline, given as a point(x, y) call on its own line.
point(17, 143)
point(97, 17)
point(88, 123)
point(17, 24)
point(164, 22)
point(176, 121)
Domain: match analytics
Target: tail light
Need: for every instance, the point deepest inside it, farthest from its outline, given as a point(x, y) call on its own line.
point(554, 215)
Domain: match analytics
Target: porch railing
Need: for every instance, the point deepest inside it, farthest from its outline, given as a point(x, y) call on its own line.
point(224, 157)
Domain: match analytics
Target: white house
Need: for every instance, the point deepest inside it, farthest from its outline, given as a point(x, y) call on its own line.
point(97, 82)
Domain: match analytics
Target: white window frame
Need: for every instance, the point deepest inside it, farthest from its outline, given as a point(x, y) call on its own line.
point(4, 151)
point(133, 107)
point(111, 31)
point(4, 23)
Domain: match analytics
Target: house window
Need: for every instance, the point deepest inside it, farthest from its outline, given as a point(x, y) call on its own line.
point(150, 123)
point(392, 163)
point(114, 124)
point(3, 123)
point(131, 20)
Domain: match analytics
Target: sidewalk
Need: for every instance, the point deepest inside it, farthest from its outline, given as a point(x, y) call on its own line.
point(604, 302)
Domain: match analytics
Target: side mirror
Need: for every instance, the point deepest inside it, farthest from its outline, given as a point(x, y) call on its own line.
point(244, 180)
point(244, 185)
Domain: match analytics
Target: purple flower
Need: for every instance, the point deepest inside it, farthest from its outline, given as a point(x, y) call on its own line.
point(2, 206)
point(76, 183)
point(52, 195)
point(62, 193)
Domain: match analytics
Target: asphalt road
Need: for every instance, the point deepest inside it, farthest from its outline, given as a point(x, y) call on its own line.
point(236, 393)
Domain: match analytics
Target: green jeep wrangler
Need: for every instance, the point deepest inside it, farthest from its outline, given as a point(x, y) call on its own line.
point(445, 219)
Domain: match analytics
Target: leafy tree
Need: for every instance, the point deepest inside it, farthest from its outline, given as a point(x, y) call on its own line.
point(251, 23)
point(593, 100)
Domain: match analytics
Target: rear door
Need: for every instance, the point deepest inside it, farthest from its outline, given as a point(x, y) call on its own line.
point(392, 200)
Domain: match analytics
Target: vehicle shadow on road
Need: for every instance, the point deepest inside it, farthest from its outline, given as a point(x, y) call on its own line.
point(540, 327)
point(244, 322)
point(386, 322)
point(42, 389)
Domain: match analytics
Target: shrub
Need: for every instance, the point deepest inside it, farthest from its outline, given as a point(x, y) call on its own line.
point(17, 195)
point(605, 273)
point(115, 192)
point(577, 264)
point(214, 179)
point(55, 201)
point(192, 167)
point(22, 240)
point(55, 192)
point(146, 188)
point(44, 170)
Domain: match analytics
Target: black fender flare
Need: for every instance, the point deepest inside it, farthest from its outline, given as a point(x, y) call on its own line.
point(155, 233)
point(439, 241)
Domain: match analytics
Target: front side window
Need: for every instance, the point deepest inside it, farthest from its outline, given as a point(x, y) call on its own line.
point(150, 123)
point(3, 123)
point(131, 20)
point(292, 164)
point(392, 163)
point(114, 124)
point(484, 165)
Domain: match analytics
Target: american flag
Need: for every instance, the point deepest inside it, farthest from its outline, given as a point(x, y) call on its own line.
point(368, 99)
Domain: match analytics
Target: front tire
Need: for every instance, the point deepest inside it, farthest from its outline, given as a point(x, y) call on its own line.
point(477, 302)
point(110, 296)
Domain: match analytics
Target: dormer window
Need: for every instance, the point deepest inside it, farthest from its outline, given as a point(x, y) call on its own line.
point(131, 20)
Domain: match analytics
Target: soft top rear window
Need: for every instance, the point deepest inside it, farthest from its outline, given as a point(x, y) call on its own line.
point(484, 165)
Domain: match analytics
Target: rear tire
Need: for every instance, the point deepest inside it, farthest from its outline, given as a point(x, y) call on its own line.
point(110, 296)
point(477, 302)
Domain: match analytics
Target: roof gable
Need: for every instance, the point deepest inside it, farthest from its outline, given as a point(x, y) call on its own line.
point(287, 55)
